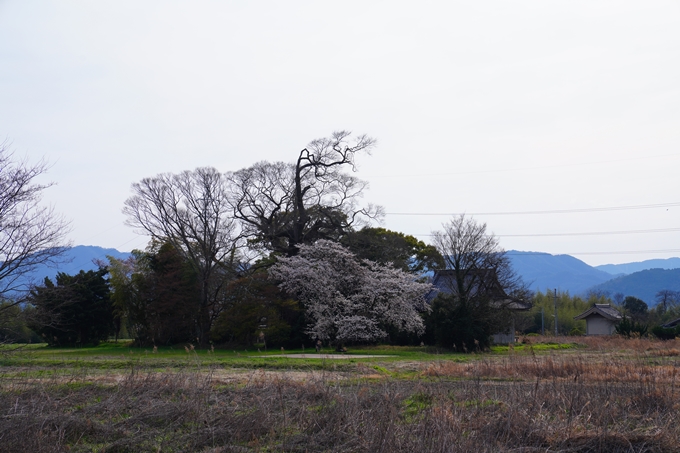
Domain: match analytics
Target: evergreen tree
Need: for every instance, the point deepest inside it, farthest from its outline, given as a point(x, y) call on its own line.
point(76, 310)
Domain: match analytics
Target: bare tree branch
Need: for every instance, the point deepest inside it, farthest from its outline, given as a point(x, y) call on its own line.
point(479, 264)
point(283, 205)
point(190, 211)
point(30, 234)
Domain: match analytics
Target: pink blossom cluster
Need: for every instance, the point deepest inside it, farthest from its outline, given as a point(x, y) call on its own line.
point(348, 299)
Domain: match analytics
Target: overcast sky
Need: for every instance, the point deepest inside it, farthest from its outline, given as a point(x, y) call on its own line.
point(484, 107)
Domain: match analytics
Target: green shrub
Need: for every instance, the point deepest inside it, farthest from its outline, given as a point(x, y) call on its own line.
point(629, 328)
point(666, 333)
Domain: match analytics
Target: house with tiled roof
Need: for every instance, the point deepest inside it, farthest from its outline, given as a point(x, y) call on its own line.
point(485, 281)
point(672, 324)
point(601, 319)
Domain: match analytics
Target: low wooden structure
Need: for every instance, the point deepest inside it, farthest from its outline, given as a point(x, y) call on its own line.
point(601, 319)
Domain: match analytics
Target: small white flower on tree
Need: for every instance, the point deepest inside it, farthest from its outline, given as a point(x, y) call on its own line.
point(348, 299)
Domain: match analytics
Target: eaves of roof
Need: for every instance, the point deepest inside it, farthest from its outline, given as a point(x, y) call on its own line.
point(671, 324)
point(604, 310)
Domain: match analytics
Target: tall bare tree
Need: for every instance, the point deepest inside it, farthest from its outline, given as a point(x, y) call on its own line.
point(282, 205)
point(476, 287)
point(667, 298)
point(478, 263)
point(31, 234)
point(190, 211)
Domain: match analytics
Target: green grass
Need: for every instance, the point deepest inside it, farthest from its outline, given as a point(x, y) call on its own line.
point(41, 361)
point(122, 355)
point(535, 347)
point(415, 406)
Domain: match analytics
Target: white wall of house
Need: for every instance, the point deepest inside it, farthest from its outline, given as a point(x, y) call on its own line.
point(598, 325)
point(507, 337)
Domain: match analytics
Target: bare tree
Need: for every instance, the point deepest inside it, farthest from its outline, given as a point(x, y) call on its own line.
point(667, 298)
point(477, 286)
point(30, 234)
point(618, 298)
point(282, 205)
point(190, 211)
point(479, 264)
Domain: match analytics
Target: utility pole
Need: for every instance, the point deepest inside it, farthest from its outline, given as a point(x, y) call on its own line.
point(542, 321)
point(555, 302)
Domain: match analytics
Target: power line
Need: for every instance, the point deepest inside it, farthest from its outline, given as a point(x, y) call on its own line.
point(620, 252)
point(591, 233)
point(594, 233)
point(501, 170)
point(553, 211)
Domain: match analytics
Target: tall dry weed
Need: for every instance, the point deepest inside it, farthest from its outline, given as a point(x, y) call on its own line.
point(152, 412)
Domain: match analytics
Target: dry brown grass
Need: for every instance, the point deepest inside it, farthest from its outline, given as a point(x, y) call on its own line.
point(186, 412)
point(618, 399)
point(614, 343)
point(587, 369)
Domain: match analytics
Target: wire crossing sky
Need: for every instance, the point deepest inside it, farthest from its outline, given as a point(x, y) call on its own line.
point(531, 116)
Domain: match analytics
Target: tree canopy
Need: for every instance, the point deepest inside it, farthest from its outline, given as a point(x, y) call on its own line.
point(190, 211)
point(637, 308)
point(282, 205)
point(74, 311)
point(403, 251)
point(157, 294)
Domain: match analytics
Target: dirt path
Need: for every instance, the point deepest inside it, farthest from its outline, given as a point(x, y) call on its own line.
point(317, 356)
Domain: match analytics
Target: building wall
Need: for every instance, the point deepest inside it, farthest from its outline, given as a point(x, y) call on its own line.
point(504, 338)
point(507, 337)
point(598, 325)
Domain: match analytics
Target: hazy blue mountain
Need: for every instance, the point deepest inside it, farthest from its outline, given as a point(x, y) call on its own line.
point(543, 271)
point(75, 259)
point(644, 284)
point(629, 268)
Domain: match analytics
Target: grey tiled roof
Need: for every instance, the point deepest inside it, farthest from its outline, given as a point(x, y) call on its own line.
point(604, 310)
point(444, 282)
point(671, 324)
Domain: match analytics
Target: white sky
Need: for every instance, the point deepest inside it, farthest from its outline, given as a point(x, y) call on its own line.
point(478, 107)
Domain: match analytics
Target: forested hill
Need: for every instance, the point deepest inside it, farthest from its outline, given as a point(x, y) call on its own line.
point(75, 259)
point(644, 284)
point(629, 268)
point(543, 271)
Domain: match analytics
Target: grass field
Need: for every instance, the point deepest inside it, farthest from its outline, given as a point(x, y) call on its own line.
point(572, 395)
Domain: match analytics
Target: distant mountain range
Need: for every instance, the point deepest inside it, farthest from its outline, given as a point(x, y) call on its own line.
point(629, 268)
point(643, 284)
point(75, 259)
point(541, 271)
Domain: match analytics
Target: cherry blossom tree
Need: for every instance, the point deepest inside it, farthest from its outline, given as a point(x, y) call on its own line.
point(349, 299)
